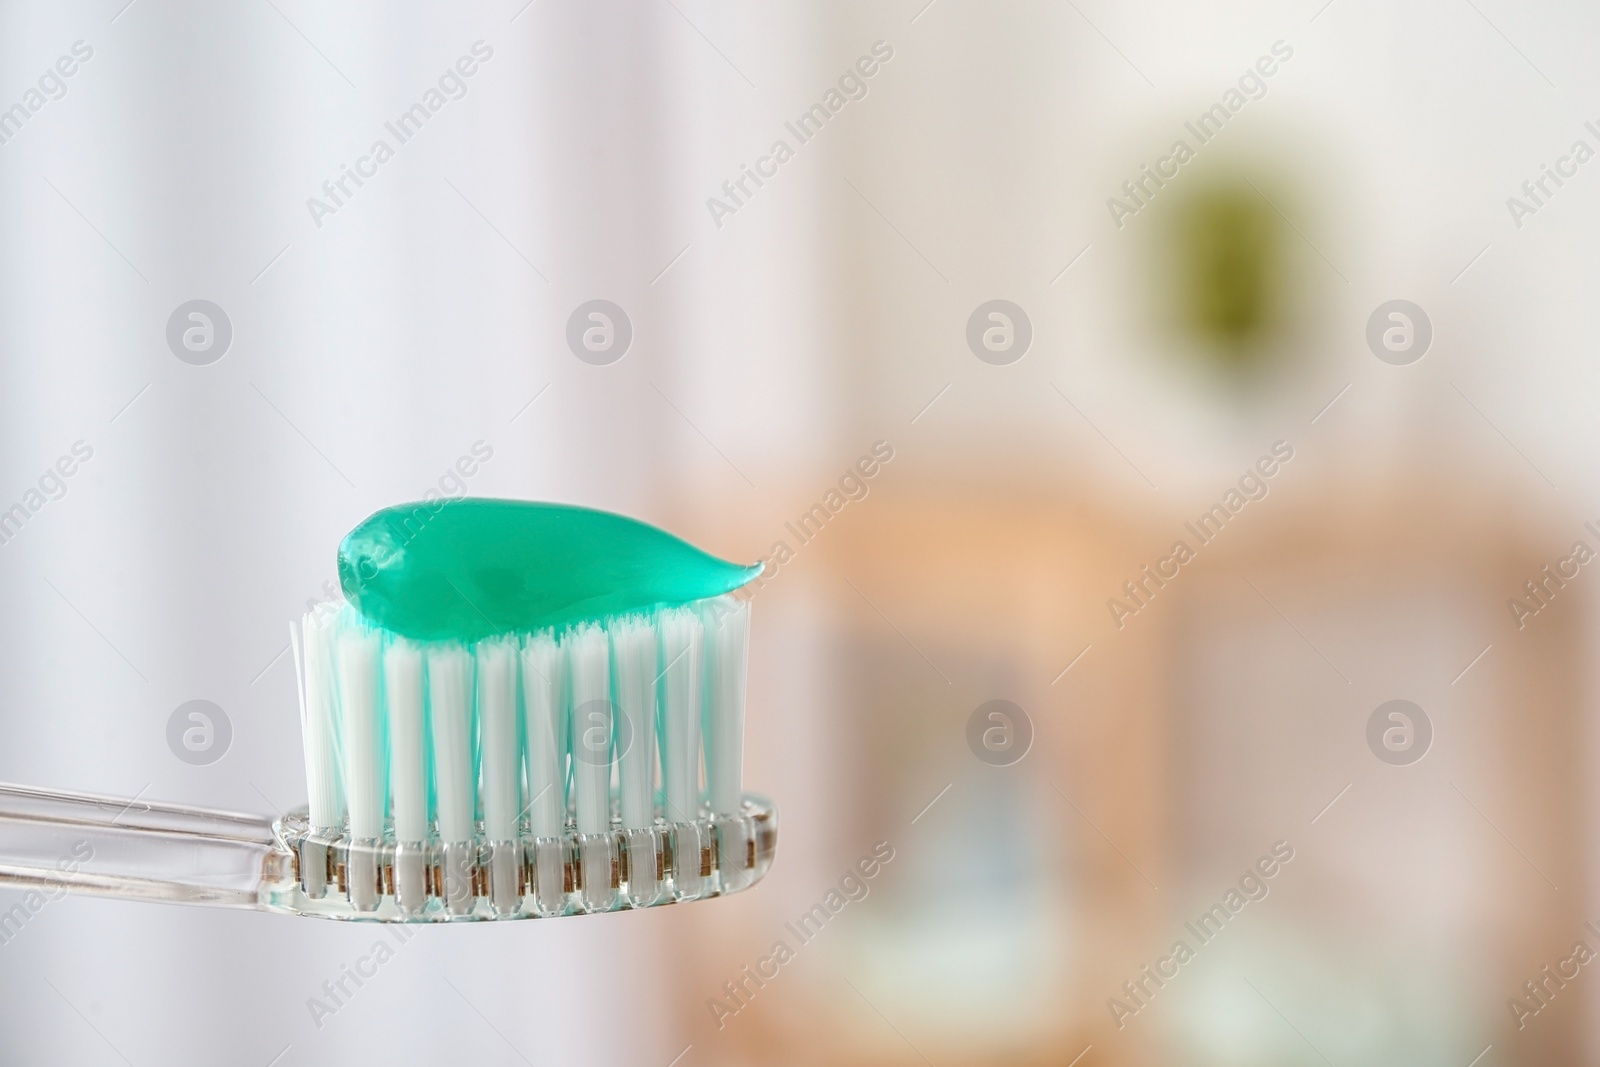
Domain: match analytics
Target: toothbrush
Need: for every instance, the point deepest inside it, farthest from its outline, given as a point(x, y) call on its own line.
point(505, 718)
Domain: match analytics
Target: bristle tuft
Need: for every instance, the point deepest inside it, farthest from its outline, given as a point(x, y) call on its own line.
point(501, 760)
point(319, 727)
point(598, 727)
point(680, 712)
point(633, 650)
point(408, 743)
point(364, 743)
point(727, 630)
point(542, 702)
point(450, 707)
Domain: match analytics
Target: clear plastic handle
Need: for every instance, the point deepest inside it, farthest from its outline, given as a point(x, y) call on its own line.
point(55, 841)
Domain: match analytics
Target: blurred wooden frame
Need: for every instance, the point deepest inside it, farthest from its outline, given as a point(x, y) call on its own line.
point(1025, 580)
point(1401, 592)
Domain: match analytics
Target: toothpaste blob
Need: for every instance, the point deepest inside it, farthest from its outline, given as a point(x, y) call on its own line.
point(468, 569)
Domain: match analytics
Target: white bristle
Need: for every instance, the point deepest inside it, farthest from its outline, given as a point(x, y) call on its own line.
point(450, 702)
point(680, 634)
point(633, 647)
point(547, 735)
point(366, 791)
point(589, 661)
point(318, 725)
point(501, 749)
point(408, 743)
point(727, 651)
point(578, 729)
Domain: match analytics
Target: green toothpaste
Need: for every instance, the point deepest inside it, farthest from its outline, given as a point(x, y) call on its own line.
point(476, 568)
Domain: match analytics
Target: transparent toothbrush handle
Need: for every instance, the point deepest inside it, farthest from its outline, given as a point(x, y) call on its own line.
point(55, 841)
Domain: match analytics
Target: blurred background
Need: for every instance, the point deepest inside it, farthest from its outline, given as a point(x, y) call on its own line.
point(1303, 288)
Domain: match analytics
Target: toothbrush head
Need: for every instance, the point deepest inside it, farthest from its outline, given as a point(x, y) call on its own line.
point(508, 717)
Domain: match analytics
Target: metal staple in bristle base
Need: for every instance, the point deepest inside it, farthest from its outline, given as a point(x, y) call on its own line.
point(459, 861)
point(644, 865)
point(362, 865)
point(552, 876)
point(506, 862)
point(312, 857)
point(598, 869)
point(532, 877)
point(410, 878)
point(735, 850)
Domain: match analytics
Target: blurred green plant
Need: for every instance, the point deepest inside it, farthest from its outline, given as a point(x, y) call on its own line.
point(1226, 243)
